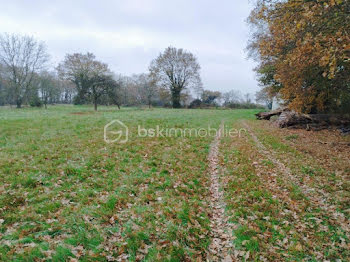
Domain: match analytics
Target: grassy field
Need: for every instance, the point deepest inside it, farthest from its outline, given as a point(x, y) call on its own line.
point(66, 195)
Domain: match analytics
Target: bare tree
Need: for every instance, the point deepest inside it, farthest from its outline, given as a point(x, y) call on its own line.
point(102, 84)
point(263, 96)
point(48, 86)
point(147, 88)
point(88, 75)
point(114, 91)
point(186, 98)
point(248, 98)
point(68, 91)
point(164, 96)
point(177, 70)
point(132, 94)
point(22, 57)
point(3, 90)
point(210, 97)
point(232, 96)
point(125, 83)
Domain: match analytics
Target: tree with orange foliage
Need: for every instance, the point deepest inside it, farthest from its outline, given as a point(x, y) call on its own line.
point(305, 45)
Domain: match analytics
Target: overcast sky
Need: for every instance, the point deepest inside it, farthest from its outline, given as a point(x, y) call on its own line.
point(128, 34)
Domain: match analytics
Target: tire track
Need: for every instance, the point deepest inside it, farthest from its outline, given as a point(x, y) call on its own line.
point(221, 247)
point(317, 197)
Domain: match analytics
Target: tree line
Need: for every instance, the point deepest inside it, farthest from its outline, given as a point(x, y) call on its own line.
point(303, 50)
point(80, 78)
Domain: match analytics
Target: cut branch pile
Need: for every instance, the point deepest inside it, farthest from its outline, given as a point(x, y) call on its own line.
point(292, 119)
point(268, 115)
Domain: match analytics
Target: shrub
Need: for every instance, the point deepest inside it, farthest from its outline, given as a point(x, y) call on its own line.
point(35, 102)
point(197, 103)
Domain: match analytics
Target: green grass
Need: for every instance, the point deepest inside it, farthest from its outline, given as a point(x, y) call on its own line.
point(310, 168)
point(65, 193)
point(274, 219)
point(292, 137)
point(63, 188)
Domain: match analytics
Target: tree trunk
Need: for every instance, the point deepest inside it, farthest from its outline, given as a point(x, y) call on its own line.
point(81, 98)
point(95, 102)
point(18, 102)
point(312, 121)
point(176, 99)
point(268, 115)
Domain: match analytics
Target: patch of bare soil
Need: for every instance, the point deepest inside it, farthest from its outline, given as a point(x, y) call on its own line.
point(221, 247)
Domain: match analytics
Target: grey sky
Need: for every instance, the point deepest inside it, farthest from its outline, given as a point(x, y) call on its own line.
point(128, 34)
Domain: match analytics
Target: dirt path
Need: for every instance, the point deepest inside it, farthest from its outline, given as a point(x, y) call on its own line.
point(317, 197)
point(221, 247)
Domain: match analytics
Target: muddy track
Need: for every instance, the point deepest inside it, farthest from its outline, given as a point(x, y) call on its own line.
point(221, 247)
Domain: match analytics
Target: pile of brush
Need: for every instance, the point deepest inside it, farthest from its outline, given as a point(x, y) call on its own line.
point(287, 118)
